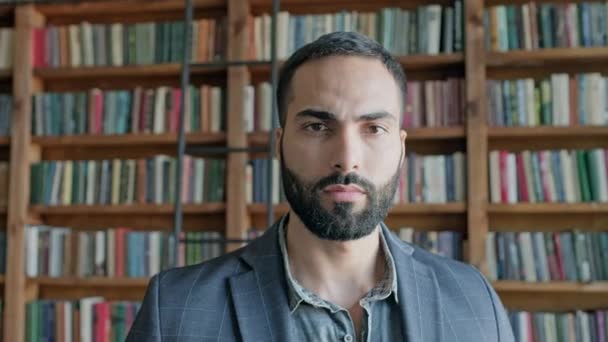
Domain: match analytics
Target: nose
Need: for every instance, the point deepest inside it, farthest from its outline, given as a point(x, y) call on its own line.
point(346, 156)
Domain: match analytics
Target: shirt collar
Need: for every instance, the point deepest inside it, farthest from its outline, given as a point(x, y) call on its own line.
point(298, 294)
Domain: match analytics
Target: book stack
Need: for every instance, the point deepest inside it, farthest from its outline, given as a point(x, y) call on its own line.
point(258, 186)
point(532, 26)
point(584, 326)
point(6, 47)
point(86, 320)
point(88, 44)
point(104, 182)
point(6, 113)
point(549, 176)
point(428, 29)
point(445, 243)
point(542, 256)
point(432, 179)
point(127, 111)
point(116, 252)
point(559, 100)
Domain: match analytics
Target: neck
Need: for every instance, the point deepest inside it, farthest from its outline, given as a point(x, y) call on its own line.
point(339, 271)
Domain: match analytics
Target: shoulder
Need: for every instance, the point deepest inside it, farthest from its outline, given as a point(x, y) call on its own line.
point(208, 277)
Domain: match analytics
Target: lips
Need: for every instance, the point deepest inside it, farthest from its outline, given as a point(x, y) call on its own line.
point(344, 193)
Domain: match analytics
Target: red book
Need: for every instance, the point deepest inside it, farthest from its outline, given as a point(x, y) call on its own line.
point(176, 107)
point(102, 322)
point(502, 165)
point(39, 47)
point(559, 256)
point(521, 178)
point(120, 251)
point(95, 111)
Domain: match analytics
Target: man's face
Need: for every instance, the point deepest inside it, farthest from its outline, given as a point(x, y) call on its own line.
point(341, 148)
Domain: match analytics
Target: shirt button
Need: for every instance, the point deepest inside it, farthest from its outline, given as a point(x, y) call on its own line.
point(348, 338)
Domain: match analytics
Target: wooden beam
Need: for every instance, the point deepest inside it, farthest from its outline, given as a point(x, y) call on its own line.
point(24, 85)
point(477, 142)
point(237, 220)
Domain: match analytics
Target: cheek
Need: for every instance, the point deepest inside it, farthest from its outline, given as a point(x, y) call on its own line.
point(382, 165)
point(303, 157)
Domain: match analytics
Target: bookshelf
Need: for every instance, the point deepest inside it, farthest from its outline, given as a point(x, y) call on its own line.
point(475, 217)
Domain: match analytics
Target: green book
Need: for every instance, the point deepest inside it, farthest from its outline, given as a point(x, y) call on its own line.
point(546, 26)
point(603, 238)
point(413, 39)
point(594, 176)
point(132, 44)
point(159, 42)
point(119, 317)
point(583, 175)
point(33, 323)
point(36, 183)
point(582, 257)
point(512, 27)
point(546, 105)
point(167, 46)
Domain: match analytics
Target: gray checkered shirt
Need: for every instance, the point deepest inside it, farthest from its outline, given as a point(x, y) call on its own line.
point(319, 320)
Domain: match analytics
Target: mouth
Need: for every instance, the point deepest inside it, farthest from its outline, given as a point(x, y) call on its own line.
point(344, 193)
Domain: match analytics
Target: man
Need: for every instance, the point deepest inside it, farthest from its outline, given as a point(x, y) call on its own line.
point(330, 270)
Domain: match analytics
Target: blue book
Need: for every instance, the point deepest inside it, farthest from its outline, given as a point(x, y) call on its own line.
point(582, 98)
point(536, 178)
point(49, 173)
point(449, 177)
point(585, 24)
point(506, 102)
point(558, 178)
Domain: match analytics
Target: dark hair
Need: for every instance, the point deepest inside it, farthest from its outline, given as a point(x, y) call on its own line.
point(335, 44)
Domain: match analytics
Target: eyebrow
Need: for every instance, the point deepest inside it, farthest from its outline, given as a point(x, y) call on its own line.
point(328, 116)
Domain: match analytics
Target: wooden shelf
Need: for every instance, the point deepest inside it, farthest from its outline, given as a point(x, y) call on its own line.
point(5, 141)
point(540, 57)
point(121, 7)
point(549, 208)
point(127, 140)
point(552, 296)
point(6, 74)
point(207, 216)
point(84, 147)
point(409, 63)
point(539, 138)
point(423, 216)
point(323, 6)
point(1, 279)
point(73, 288)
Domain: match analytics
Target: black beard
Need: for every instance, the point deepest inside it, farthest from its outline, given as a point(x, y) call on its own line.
point(339, 224)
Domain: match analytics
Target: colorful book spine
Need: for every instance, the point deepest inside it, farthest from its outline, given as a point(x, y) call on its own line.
point(577, 325)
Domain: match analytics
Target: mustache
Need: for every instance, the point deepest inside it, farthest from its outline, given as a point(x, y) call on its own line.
point(341, 179)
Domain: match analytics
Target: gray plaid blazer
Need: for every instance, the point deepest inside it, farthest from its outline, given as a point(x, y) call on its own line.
point(242, 296)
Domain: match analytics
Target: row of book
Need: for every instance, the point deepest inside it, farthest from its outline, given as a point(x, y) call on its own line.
point(532, 25)
point(150, 180)
point(128, 111)
point(6, 47)
point(118, 44)
point(433, 179)
point(443, 242)
point(427, 29)
point(560, 100)
point(116, 252)
point(6, 113)
point(89, 319)
point(548, 256)
point(549, 176)
point(422, 179)
point(579, 326)
point(4, 182)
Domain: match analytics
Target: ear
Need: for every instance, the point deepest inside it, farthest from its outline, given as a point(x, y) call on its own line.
point(278, 133)
point(402, 137)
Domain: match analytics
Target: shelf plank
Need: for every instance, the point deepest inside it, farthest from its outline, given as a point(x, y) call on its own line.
point(546, 56)
point(208, 216)
point(134, 209)
point(74, 288)
point(123, 7)
point(127, 140)
point(5, 141)
point(523, 138)
point(6, 74)
point(423, 216)
point(552, 296)
point(548, 208)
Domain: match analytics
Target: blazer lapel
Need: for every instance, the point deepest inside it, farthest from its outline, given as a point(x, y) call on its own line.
point(259, 294)
point(418, 293)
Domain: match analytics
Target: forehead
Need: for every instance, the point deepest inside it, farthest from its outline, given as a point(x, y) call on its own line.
point(347, 86)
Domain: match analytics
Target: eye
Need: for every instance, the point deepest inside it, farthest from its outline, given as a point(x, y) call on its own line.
point(376, 129)
point(316, 127)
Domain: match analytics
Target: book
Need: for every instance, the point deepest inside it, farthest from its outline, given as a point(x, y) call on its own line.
point(573, 255)
point(6, 113)
point(120, 44)
point(7, 44)
point(559, 326)
point(113, 182)
point(433, 31)
point(548, 176)
point(441, 242)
